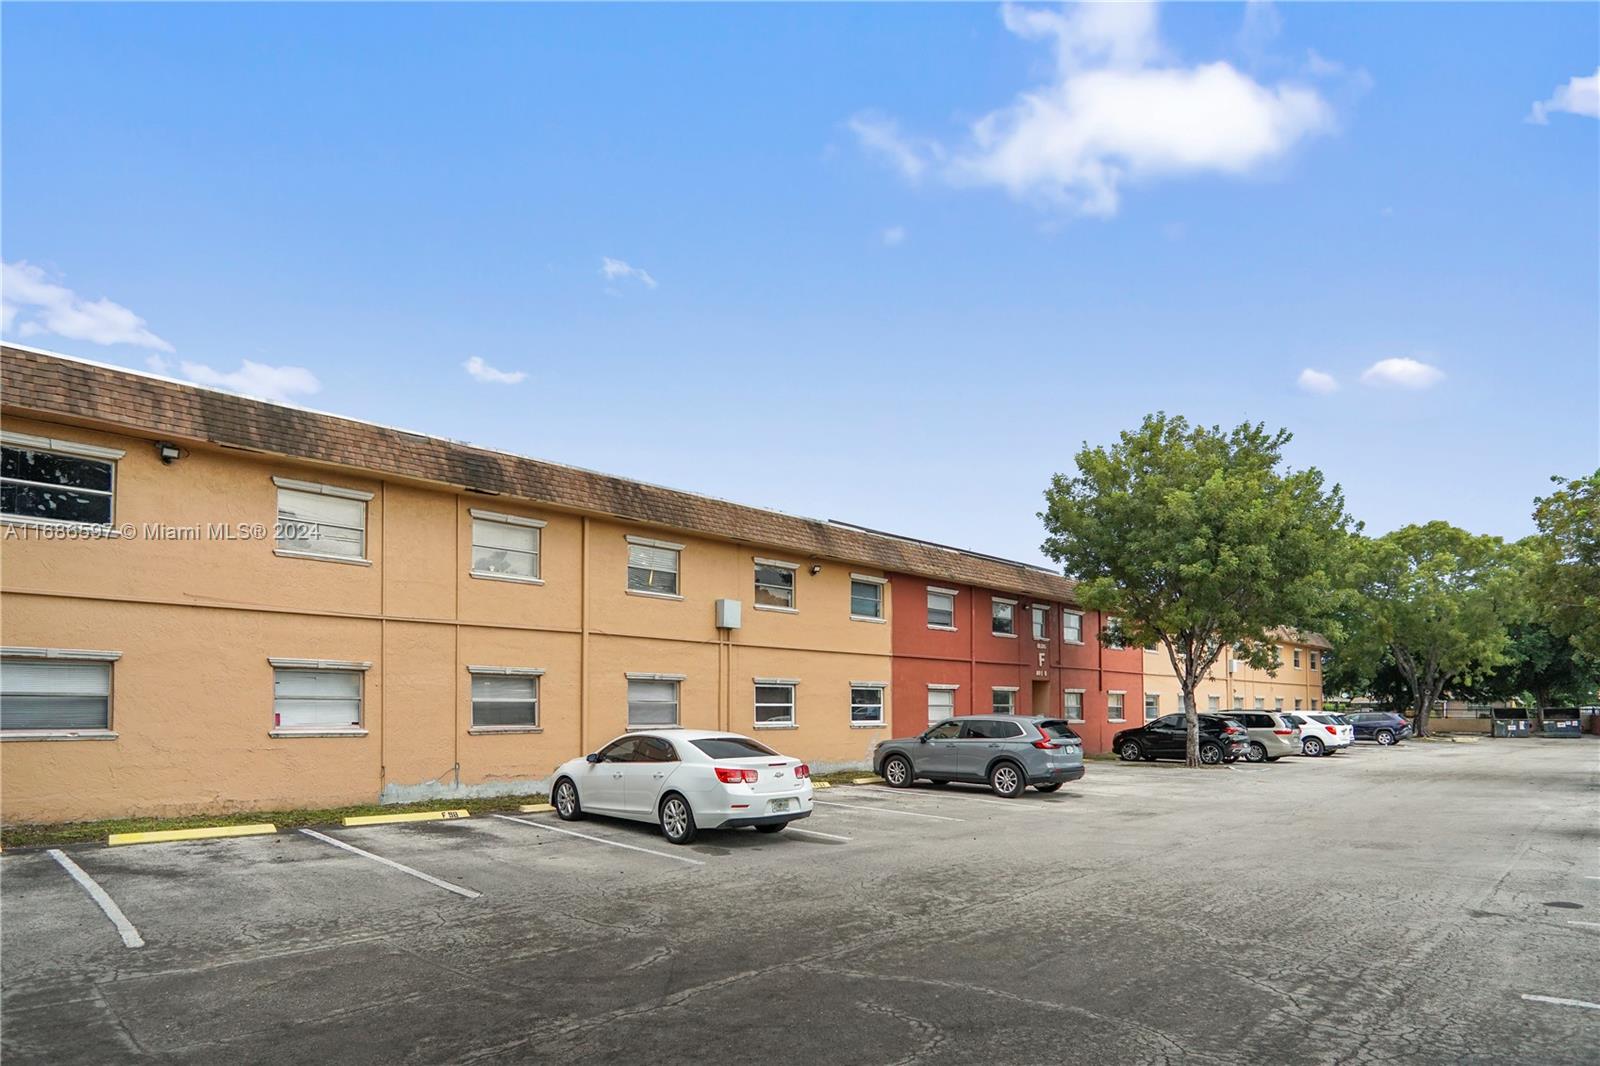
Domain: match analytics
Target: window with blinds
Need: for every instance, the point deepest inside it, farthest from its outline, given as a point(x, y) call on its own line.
point(504, 548)
point(318, 700)
point(774, 586)
point(55, 487)
point(318, 523)
point(652, 703)
point(866, 599)
point(941, 609)
point(941, 704)
point(502, 701)
point(54, 695)
point(1072, 627)
point(653, 569)
point(1072, 705)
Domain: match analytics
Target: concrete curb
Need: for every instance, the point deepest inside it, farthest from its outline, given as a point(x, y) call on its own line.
point(418, 816)
point(204, 833)
point(535, 808)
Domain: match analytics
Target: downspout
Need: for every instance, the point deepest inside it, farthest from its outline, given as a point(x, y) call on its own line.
point(455, 576)
point(583, 639)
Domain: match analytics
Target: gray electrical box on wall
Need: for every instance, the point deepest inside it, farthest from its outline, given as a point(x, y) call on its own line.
point(728, 614)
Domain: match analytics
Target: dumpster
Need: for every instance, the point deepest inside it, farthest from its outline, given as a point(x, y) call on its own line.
point(1510, 722)
point(1561, 722)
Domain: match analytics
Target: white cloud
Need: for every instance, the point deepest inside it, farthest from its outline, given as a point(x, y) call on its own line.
point(893, 235)
point(279, 383)
point(482, 371)
point(1402, 373)
point(32, 304)
point(1316, 381)
point(1118, 110)
point(612, 269)
point(1579, 96)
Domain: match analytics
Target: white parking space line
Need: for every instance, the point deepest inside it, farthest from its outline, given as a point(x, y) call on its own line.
point(130, 935)
point(432, 880)
point(1561, 1002)
point(601, 840)
point(815, 833)
point(887, 810)
point(1014, 806)
point(1586, 925)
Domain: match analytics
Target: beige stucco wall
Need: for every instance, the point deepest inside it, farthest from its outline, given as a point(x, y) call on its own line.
point(195, 621)
point(1288, 683)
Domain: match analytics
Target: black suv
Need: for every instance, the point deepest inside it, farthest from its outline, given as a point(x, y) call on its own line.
point(1221, 739)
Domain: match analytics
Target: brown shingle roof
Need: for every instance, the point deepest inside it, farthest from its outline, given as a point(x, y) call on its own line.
point(35, 382)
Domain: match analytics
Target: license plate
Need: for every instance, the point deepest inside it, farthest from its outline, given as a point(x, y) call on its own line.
point(781, 805)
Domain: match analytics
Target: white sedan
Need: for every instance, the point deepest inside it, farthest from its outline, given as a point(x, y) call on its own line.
point(685, 779)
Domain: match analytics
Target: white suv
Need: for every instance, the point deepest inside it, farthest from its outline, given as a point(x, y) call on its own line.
point(1322, 733)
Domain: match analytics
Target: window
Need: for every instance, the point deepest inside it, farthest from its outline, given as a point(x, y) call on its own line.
point(1057, 730)
point(941, 608)
point(866, 598)
point(505, 546)
point(1041, 623)
point(1152, 705)
point(1114, 701)
point(1003, 614)
point(1277, 704)
point(48, 690)
point(947, 731)
point(1296, 705)
point(1003, 700)
point(732, 747)
point(1213, 703)
point(941, 704)
point(311, 696)
point(652, 700)
point(1072, 627)
point(321, 521)
point(866, 704)
point(624, 750)
point(1238, 703)
point(774, 703)
point(1297, 658)
point(1314, 658)
point(653, 566)
point(1261, 703)
point(1072, 705)
point(56, 481)
point(504, 698)
point(655, 749)
point(1313, 705)
point(985, 729)
point(775, 585)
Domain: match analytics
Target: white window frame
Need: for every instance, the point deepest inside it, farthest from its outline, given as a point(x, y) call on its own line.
point(1261, 703)
point(1296, 705)
point(665, 545)
point(935, 590)
point(1238, 703)
point(882, 688)
point(1213, 704)
point(1152, 706)
point(952, 689)
point(475, 672)
point(1314, 657)
point(676, 680)
point(339, 665)
point(1296, 658)
point(883, 600)
point(1039, 621)
point(72, 450)
point(68, 655)
point(794, 586)
point(1011, 698)
point(1313, 706)
point(537, 525)
point(1078, 615)
point(995, 603)
point(1066, 709)
point(317, 488)
point(1120, 704)
point(790, 683)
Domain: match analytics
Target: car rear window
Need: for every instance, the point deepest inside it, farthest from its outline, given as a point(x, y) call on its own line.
point(732, 748)
point(1325, 719)
point(1056, 729)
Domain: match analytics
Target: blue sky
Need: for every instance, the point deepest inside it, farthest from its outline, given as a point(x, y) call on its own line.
point(891, 264)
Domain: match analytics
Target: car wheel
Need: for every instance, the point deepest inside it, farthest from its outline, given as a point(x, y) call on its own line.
point(1048, 788)
point(1210, 754)
point(1312, 746)
point(1384, 737)
point(566, 801)
point(771, 828)
point(1131, 751)
point(677, 820)
point(1257, 752)
point(1007, 781)
point(897, 771)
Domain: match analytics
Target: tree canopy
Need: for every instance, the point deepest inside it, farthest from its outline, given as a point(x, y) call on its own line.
point(1568, 577)
point(1196, 539)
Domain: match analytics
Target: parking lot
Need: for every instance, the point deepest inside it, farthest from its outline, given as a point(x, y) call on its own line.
point(1382, 904)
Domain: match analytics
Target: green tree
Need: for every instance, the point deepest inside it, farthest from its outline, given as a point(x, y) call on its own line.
point(1198, 539)
point(1542, 666)
point(1436, 600)
point(1568, 578)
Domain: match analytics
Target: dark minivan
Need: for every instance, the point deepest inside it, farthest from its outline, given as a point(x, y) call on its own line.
point(1385, 727)
point(1221, 739)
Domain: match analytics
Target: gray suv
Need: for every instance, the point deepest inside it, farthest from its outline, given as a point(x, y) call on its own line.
point(1010, 752)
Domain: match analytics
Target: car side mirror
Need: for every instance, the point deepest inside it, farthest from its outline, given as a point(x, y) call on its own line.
point(593, 756)
point(923, 739)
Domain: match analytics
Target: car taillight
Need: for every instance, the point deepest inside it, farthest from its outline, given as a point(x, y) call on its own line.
point(802, 771)
point(733, 775)
point(1233, 729)
point(1046, 744)
point(1283, 732)
point(1331, 731)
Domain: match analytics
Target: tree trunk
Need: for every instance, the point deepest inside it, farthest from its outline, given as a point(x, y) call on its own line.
point(1423, 704)
point(1191, 723)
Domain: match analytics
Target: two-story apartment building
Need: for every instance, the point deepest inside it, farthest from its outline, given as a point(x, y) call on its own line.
point(212, 602)
point(1232, 684)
